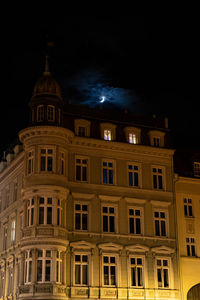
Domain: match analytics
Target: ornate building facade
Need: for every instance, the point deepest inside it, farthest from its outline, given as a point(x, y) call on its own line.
point(87, 205)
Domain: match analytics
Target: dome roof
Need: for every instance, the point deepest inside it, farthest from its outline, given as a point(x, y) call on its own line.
point(47, 85)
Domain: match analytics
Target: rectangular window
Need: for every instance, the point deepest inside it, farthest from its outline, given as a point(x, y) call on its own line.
point(156, 141)
point(40, 113)
point(136, 264)
point(135, 215)
point(107, 135)
point(44, 261)
point(30, 162)
point(81, 269)
point(81, 131)
point(133, 175)
point(30, 212)
point(158, 178)
point(28, 266)
point(109, 270)
point(50, 113)
point(45, 211)
point(62, 163)
point(108, 214)
point(81, 216)
point(190, 245)
point(108, 172)
point(13, 229)
point(46, 160)
point(5, 234)
point(81, 169)
point(187, 207)
point(132, 138)
point(160, 223)
point(162, 266)
point(58, 267)
point(197, 169)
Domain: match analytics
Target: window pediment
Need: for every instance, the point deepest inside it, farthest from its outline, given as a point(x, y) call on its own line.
point(163, 250)
point(137, 248)
point(110, 246)
point(133, 135)
point(108, 131)
point(82, 245)
point(82, 127)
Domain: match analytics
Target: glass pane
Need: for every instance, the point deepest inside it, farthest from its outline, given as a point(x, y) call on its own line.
point(39, 270)
point(159, 277)
point(139, 276)
point(84, 258)
point(112, 223)
point(58, 216)
point(112, 260)
point(132, 261)
point(185, 210)
point(41, 200)
point(49, 215)
point(112, 275)
point(77, 258)
point(42, 163)
point(105, 209)
point(110, 176)
point(133, 278)
point(32, 215)
point(155, 181)
point(166, 280)
point(163, 228)
point(77, 274)
point(160, 182)
point(157, 229)
point(77, 207)
point(105, 176)
point(131, 212)
point(131, 224)
point(50, 164)
point(105, 259)
point(41, 215)
point(193, 250)
point(84, 221)
point(190, 210)
point(47, 270)
point(138, 227)
point(130, 176)
point(29, 271)
point(84, 207)
point(78, 221)
point(136, 179)
point(84, 173)
point(111, 210)
point(105, 223)
point(106, 275)
point(84, 274)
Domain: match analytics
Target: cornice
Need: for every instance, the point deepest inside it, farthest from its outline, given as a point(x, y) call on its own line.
point(39, 131)
point(122, 147)
point(44, 190)
point(11, 168)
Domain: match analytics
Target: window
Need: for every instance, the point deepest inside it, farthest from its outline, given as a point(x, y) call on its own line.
point(62, 163)
point(132, 135)
point(81, 216)
point(30, 212)
point(109, 270)
point(46, 159)
point(81, 269)
point(132, 138)
point(158, 174)
point(2, 281)
point(28, 266)
point(108, 172)
point(197, 169)
point(30, 167)
point(13, 228)
point(5, 234)
point(160, 223)
point(44, 262)
point(45, 211)
point(137, 270)
point(82, 127)
point(15, 191)
point(187, 207)
point(162, 268)
point(40, 113)
point(107, 135)
point(81, 131)
point(50, 113)
point(190, 245)
point(59, 213)
point(135, 215)
point(81, 169)
point(108, 216)
point(58, 266)
point(133, 175)
point(156, 141)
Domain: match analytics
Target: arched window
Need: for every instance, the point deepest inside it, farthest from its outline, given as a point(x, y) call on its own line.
point(194, 293)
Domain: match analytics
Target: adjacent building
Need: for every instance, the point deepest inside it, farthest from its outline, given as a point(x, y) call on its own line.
point(87, 205)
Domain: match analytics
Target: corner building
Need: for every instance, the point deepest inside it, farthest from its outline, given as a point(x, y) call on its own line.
point(87, 205)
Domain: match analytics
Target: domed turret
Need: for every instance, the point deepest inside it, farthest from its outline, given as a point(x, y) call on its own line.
point(46, 103)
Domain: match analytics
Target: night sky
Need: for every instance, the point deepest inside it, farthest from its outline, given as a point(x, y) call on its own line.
point(148, 66)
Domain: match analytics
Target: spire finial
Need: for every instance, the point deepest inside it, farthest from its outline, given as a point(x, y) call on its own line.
point(46, 71)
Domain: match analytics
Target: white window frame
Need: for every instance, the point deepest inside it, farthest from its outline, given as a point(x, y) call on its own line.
point(51, 113)
point(5, 237)
point(82, 165)
point(108, 168)
point(187, 205)
point(115, 214)
point(82, 123)
point(197, 169)
point(157, 135)
point(81, 212)
point(141, 217)
point(44, 258)
point(111, 131)
point(134, 132)
point(169, 268)
point(46, 205)
point(135, 256)
point(62, 162)
point(13, 231)
point(46, 155)
point(40, 113)
point(157, 173)
point(30, 211)
point(190, 246)
point(139, 172)
point(166, 219)
point(110, 264)
point(81, 254)
point(59, 267)
point(28, 267)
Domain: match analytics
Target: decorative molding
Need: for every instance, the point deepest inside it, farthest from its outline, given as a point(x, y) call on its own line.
point(137, 248)
point(135, 200)
point(82, 245)
point(82, 196)
point(109, 198)
point(110, 246)
point(160, 203)
point(163, 250)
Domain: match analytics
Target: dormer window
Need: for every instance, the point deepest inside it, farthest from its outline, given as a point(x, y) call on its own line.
point(197, 169)
point(132, 135)
point(40, 113)
point(156, 138)
point(108, 131)
point(107, 135)
point(50, 113)
point(82, 127)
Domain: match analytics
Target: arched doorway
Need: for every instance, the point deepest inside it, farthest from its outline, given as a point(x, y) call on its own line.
point(194, 293)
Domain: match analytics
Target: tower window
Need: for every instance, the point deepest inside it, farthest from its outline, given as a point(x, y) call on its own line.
point(50, 113)
point(40, 113)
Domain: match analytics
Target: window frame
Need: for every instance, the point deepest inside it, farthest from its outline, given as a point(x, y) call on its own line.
point(106, 160)
point(81, 254)
point(53, 155)
point(13, 232)
point(110, 127)
point(81, 157)
point(44, 259)
point(157, 167)
point(190, 246)
point(159, 210)
point(28, 266)
point(109, 264)
point(139, 172)
point(157, 135)
point(134, 207)
point(40, 114)
point(169, 268)
point(133, 131)
point(82, 123)
point(188, 207)
point(136, 256)
point(51, 113)
point(109, 205)
point(196, 169)
point(81, 213)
